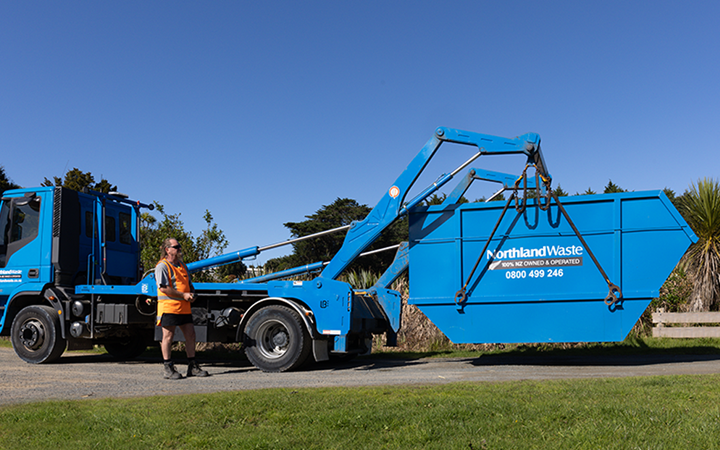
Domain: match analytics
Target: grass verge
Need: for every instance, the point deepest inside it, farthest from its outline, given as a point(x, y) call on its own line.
point(653, 412)
point(648, 412)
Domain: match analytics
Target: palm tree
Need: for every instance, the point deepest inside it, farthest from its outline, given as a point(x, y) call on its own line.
point(701, 209)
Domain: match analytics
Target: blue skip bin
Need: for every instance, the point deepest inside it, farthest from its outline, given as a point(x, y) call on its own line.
point(536, 281)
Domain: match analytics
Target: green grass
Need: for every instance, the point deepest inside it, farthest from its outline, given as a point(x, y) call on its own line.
point(664, 412)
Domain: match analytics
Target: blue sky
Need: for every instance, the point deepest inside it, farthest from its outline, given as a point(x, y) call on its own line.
point(262, 112)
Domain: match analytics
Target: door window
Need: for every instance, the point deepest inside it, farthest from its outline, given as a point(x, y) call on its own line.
point(19, 224)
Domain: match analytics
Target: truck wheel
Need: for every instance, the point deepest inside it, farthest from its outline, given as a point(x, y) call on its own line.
point(276, 339)
point(130, 348)
point(35, 335)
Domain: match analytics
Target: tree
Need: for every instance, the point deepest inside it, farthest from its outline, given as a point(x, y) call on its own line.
point(670, 194)
point(436, 199)
point(498, 198)
point(211, 242)
point(588, 192)
point(78, 180)
point(680, 199)
point(153, 232)
point(483, 199)
point(700, 207)
point(5, 183)
point(342, 212)
point(560, 192)
point(612, 188)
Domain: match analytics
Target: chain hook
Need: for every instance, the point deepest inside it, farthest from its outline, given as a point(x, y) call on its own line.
point(614, 295)
point(548, 190)
point(460, 296)
point(520, 206)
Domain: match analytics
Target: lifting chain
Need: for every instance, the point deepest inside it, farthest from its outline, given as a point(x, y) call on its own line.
point(461, 295)
point(614, 292)
point(521, 206)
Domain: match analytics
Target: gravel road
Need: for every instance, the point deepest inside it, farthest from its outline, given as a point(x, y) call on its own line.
point(83, 376)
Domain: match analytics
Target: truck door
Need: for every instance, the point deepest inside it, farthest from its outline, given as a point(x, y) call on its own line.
point(20, 246)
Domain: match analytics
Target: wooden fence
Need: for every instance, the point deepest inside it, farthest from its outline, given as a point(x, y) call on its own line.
point(698, 320)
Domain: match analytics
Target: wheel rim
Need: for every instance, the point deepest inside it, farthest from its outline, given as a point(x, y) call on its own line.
point(273, 339)
point(32, 334)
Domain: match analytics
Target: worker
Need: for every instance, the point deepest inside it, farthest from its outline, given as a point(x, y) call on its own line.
point(175, 295)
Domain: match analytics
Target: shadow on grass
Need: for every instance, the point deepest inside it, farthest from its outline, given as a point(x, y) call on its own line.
point(632, 351)
point(570, 358)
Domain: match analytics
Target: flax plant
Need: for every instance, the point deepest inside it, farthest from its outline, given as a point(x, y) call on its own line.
point(701, 209)
point(362, 279)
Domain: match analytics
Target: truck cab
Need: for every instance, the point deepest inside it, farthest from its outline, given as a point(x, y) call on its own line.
point(25, 242)
point(52, 239)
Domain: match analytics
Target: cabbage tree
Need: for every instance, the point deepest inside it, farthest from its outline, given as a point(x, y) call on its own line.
point(700, 206)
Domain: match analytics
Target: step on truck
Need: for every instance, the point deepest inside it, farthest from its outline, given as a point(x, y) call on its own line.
point(533, 268)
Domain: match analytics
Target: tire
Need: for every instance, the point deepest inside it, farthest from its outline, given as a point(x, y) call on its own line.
point(35, 335)
point(276, 339)
point(130, 348)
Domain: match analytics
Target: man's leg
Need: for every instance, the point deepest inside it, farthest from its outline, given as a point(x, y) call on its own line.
point(188, 331)
point(169, 371)
point(167, 340)
point(194, 369)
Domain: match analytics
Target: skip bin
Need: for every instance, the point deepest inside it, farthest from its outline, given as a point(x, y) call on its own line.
point(536, 282)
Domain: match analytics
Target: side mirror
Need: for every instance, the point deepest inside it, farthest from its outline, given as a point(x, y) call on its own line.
point(23, 201)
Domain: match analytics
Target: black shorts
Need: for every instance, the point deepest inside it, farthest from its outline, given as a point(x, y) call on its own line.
point(170, 320)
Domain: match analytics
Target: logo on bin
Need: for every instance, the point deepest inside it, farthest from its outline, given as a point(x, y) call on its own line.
point(528, 258)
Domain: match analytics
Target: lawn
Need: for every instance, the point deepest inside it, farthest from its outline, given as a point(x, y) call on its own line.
point(662, 412)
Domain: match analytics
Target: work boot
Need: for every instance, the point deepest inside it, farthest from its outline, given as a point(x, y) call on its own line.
point(194, 370)
point(170, 373)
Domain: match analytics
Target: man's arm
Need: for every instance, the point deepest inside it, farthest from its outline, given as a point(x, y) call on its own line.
point(162, 277)
point(171, 292)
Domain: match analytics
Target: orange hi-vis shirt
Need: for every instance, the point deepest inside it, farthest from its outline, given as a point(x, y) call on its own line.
point(180, 281)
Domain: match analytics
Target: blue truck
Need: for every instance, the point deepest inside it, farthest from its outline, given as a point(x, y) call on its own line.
point(530, 269)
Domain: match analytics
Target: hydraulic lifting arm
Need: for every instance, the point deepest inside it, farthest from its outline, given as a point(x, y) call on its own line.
point(393, 206)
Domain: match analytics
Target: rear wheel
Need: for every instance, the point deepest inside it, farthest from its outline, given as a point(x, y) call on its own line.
point(35, 335)
point(276, 339)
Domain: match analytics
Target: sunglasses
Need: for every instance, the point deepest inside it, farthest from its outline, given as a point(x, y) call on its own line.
point(176, 247)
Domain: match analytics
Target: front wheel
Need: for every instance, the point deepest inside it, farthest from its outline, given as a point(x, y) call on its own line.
point(276, 339)
point(35, 335)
